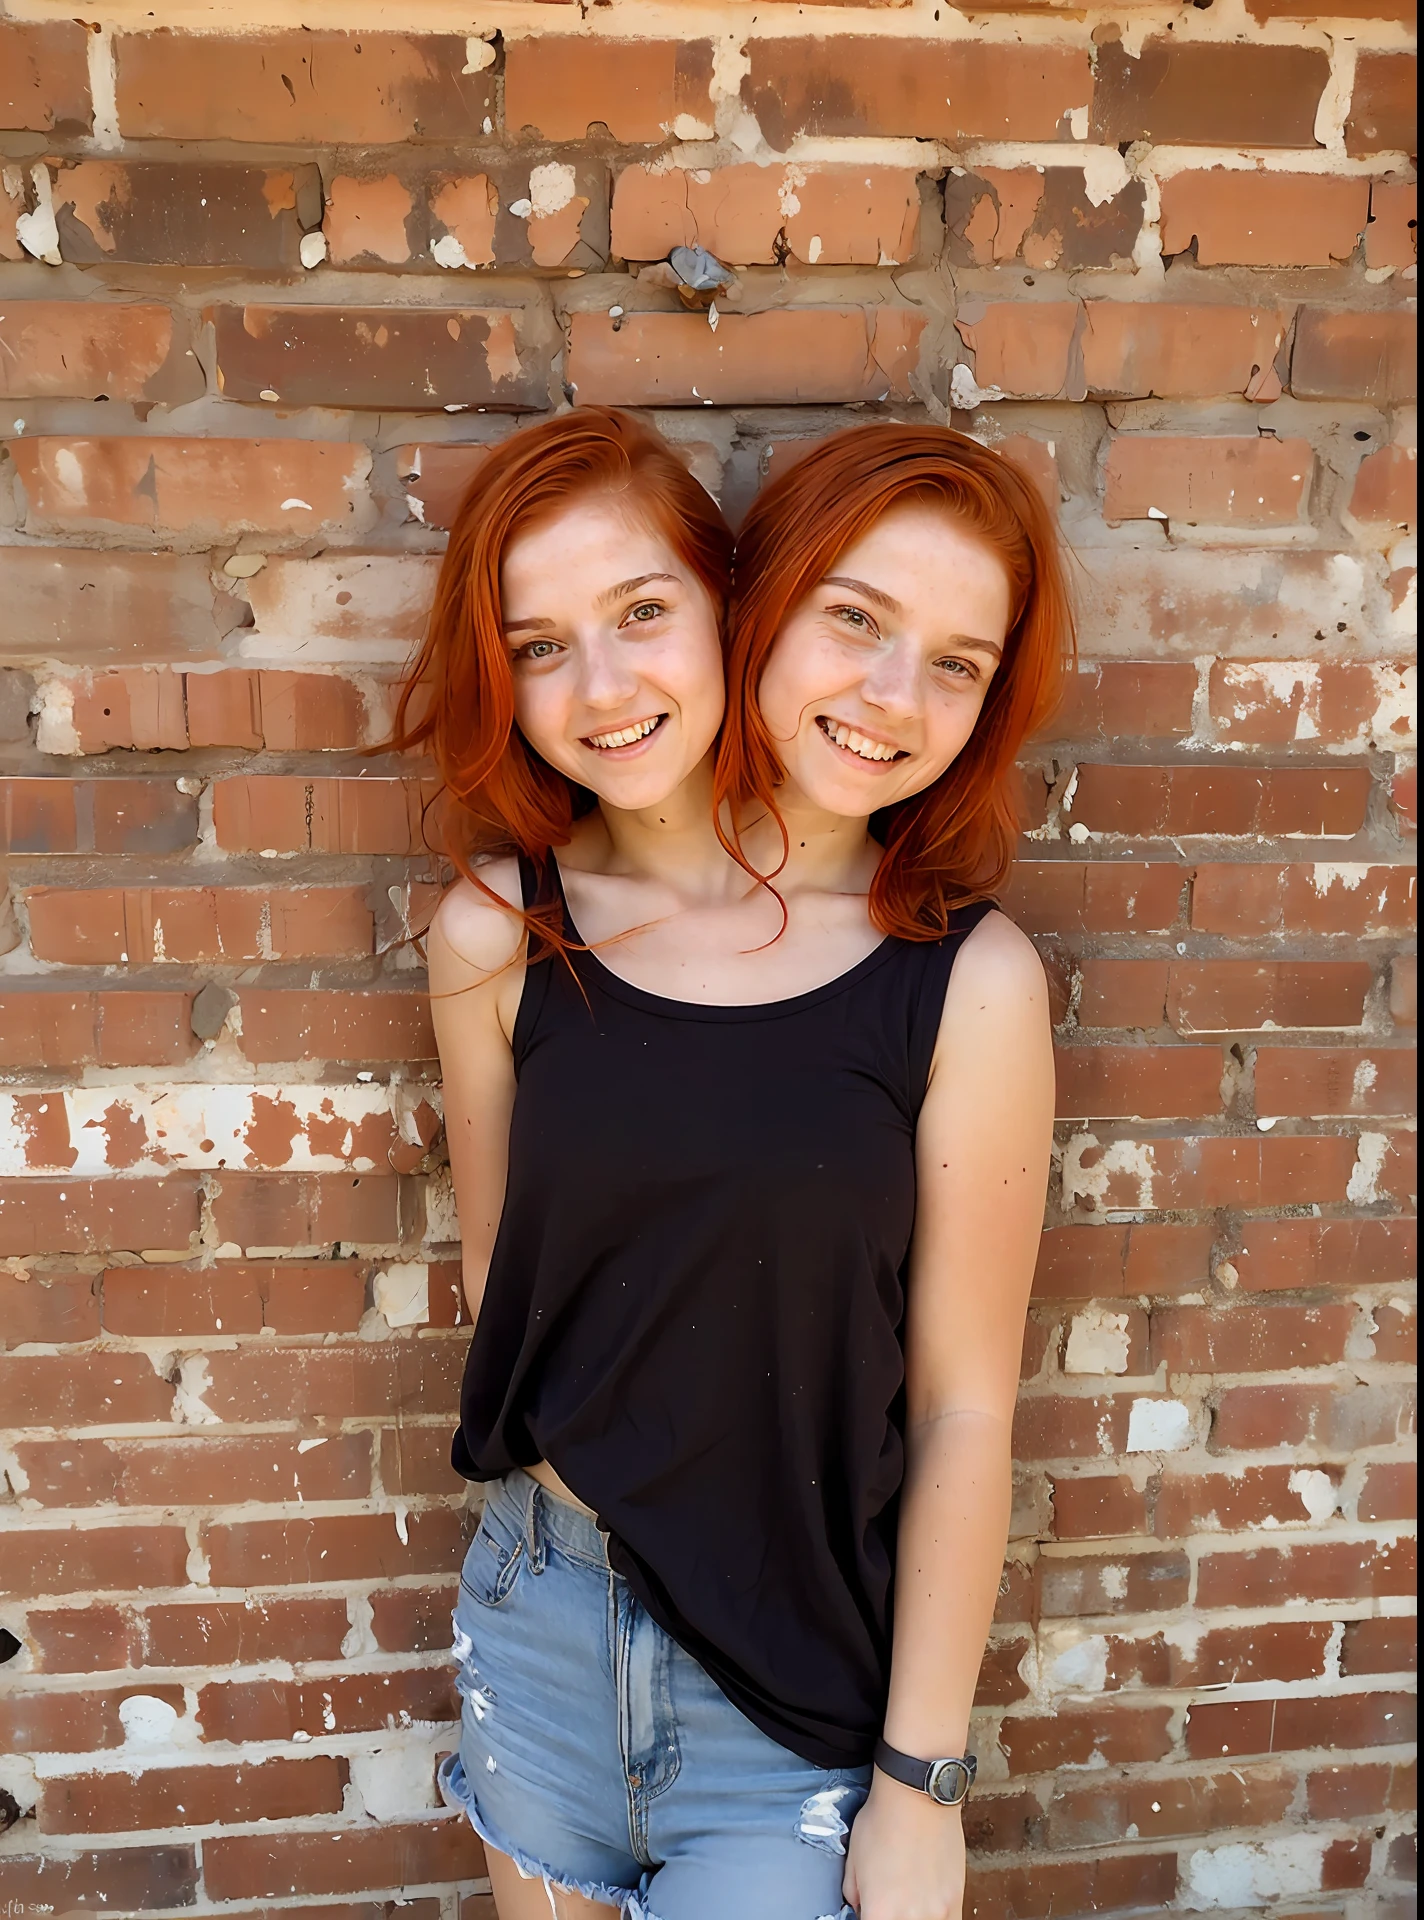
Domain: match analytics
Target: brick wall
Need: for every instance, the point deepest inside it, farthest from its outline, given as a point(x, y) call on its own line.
point(264, 301)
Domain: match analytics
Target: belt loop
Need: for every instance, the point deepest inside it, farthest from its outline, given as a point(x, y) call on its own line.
point(535, 1528)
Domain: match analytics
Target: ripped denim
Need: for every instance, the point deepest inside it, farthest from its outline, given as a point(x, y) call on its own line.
point(601, 1758)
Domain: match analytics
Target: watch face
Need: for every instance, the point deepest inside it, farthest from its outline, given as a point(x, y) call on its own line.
point(948, 1782)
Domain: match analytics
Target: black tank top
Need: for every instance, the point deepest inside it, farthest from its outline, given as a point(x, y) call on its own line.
point(694, 1311)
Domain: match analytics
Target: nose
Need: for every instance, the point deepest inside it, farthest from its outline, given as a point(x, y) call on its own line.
point(892, 681)
point(606, 678)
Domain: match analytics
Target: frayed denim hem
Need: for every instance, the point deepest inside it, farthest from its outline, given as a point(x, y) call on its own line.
point(455, 1790)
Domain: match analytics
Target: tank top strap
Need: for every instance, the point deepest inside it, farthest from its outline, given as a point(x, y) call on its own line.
point(933, 962)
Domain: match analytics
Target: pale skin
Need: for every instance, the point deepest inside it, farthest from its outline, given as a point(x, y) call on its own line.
point(890, 656)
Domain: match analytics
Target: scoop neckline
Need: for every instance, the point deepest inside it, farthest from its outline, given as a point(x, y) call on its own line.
point(627, 990)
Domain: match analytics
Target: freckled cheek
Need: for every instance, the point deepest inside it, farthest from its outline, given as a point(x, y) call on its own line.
point(541, 712)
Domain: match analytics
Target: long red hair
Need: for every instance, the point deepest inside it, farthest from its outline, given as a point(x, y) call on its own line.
point(954, 842)
point(496, 794)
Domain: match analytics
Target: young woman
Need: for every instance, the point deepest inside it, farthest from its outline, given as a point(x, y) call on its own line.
point(750, 1175)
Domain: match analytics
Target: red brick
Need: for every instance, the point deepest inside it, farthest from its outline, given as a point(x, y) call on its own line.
point(1247, 1499)
point(387, 357)
point(1136, 349)
point(1392, 237)
point(90, 350)
point(345, 1860)
point(1259, 482)
point(82, 606)
point(1240, 996)
point(89, 1638)
point(560, 86)
point(1338, 702)
point(1309, 897)
point(1163, 1806)
point(413, 1619)
point(1120, 1583)
point(785, 356)
point(436, 477)
point(139, 1879)
point(1254, 219)
point(94, 1559)
point(1382, 1645)
point(49, 1308)
point(191, 1796)
point(1403, 990)
point(1317, 1081)
point(291, 87)
point(1251, 1339)
point(1000, 1682)
point(291, 813)
point(1404, 799)
point(202, 1471)
point(1123, 993)
point(131, 707)
point(1335, 1418)
point(1225, 801)
point(1020, 348)
point(215, 487)
point(1144, 1880)
point(1229, 1656)
point(1098, 1506)
point(215, 1634)
point(1042, 1743)
point(863, 85)
point(1147, 1083)
point(1283, 1726)
point(73, 1390)
point(1089, 1263)
point(866, 216)
point(318, 1296)
point(1386, 490)
point(342, 1703)
point(354, 1024)
point(1000, 1822)
point(1389, 1491)
point(1323, 1252)
point(1113, 699)
point(1354, 356)
point(137, 925)
point(1099, 896)
point(1208, 95)
point(128, 1029)
point(194, 214)
point(1217, 1171)
point(354, 1381)
point(1382, 105)
point(96, 816)
point(1057, 1426)
point(315, 1209)
point(1348, 1793)
point(1395, 1333)
point(96, 1216)
point(45, 83)
point(1043, 216)
point(416, 1460)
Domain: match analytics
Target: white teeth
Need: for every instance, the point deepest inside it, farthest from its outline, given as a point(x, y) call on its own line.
point(857, 743)
point(625, 736)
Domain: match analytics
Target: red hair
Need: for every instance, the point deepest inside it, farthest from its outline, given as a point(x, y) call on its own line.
point(954, 842)
point(496, 794)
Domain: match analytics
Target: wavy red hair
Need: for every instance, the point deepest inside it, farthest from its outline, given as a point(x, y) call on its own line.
point(496, 794)
point(954, 842)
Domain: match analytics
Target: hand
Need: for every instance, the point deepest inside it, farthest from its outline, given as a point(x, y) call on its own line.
point(906, 1856)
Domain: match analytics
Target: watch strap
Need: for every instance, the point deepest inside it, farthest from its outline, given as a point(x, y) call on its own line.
point(945, 1781)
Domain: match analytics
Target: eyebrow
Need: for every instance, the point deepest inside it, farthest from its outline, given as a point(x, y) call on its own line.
point(880, 599)
point(605, 599)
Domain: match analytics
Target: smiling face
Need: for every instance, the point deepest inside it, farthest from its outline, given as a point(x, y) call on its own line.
point(878, 676)
point(614, 652)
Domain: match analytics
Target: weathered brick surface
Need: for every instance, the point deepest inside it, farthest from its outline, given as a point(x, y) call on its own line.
point(270, 294)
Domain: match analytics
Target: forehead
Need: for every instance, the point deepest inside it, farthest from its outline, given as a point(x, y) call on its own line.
point(584, 531)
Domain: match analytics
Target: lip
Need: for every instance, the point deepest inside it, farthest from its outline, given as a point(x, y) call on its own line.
point(634, 747)
point(844, 754)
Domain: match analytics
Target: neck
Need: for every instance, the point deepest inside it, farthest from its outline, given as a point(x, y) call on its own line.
point(673, 843)
point(826, 852)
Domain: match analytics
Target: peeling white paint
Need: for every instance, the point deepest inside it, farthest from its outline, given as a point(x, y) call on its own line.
point(1248, 1876)
point(397, 1782)
point(402, 1294)
point(1158, 1426)
point(37, 232)
point(1098, 1342)
point(1316, 1492)
point(194, 1380)
point(1363, 1188)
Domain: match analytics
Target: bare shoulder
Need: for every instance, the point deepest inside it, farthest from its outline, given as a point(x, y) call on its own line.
point(471, 936)
point(998, 989)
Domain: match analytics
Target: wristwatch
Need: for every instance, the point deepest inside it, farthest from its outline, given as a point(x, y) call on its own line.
point(945, 1781)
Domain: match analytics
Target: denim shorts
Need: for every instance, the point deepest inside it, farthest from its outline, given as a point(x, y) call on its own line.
point(601, 1758)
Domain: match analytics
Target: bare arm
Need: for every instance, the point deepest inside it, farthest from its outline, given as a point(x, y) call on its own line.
point(476, 975)
point(982, 1152)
